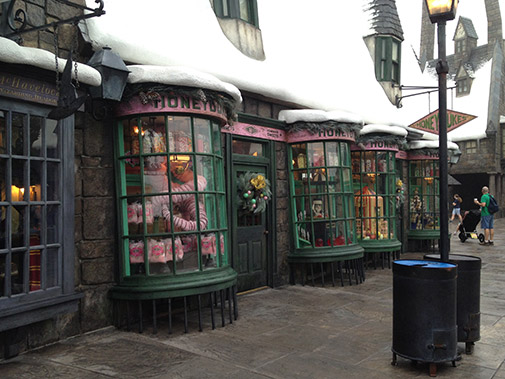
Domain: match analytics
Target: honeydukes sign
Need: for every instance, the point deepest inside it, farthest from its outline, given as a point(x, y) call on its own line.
point(429, 123)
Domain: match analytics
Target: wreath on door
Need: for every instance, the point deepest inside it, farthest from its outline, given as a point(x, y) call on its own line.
point(253, 192)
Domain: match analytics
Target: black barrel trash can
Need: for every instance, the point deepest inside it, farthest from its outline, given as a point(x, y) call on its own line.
point(467, 298)
point(424, 312)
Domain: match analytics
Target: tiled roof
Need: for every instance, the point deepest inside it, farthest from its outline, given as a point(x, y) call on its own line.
point(384, 17)
point(468, 26)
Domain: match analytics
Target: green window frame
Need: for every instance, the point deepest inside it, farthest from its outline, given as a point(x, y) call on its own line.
point(374, 194)
point(424, 190)
point(321, 194)
point(172, 197)
point(387, 59)
point(245, 10)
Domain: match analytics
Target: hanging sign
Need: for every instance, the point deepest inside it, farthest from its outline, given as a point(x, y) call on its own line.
point(429, 123)
point(21, 88)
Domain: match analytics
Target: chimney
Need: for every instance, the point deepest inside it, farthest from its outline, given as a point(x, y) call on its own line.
point(494, 24)
point(427, 47)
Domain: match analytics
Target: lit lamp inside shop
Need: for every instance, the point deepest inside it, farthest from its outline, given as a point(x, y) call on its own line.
point(136, 130)
point(17, 193)
point(441, 11)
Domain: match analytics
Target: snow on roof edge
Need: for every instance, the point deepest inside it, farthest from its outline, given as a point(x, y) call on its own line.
point(291, 116)
point(183, 76)
point(380, 128)
point(423, 144)
point(11, 52)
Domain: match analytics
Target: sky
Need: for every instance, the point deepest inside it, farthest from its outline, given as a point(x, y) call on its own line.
point(315, 54)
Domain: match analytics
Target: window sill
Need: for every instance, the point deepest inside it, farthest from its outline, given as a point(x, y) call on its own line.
point(38, 311)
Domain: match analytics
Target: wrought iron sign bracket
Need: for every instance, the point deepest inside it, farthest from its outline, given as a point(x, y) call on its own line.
point(9, 18)
point(398, 101)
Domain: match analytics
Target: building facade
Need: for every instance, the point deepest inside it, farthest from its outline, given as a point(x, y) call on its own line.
point(191, 187)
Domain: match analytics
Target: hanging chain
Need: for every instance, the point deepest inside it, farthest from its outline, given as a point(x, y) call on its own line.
point(75, 49)
point(56, 53)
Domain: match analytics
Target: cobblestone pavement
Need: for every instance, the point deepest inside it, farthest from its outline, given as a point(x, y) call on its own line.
point(287, 332)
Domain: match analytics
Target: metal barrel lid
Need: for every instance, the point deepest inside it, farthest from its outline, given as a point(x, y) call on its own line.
point(425, 269)
point(464, 262)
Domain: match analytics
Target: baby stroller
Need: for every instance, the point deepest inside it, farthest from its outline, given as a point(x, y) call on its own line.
point(468, 228)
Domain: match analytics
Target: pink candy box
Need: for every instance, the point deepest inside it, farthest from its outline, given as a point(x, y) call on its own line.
point(156, 251)
point(136, 252)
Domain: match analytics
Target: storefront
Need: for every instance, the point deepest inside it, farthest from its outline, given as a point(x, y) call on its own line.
point(172, 206)
point(322, 200)
point(424, 189)
point(37, 198)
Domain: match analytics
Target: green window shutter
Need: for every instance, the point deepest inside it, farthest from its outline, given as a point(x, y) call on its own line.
point(387, 59)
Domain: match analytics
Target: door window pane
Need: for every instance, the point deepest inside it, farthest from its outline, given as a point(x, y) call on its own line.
point(17, 272)
point(3, 132)
point(52, 138)
point(18, 133)
point(52, 267)
point(53, 181)
point(36, 130)
point(254, 149)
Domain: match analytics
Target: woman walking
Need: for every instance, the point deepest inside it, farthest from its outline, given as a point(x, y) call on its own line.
point(456, 210)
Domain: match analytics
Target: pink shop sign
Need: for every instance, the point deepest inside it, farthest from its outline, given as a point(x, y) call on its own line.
point(418, 157)
point(377, 146)
point(322, 135)
point(401, 155)
point(248, 130)
point(171, 104)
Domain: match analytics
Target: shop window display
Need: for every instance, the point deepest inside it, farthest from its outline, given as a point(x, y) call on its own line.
point(374, 194)
point(322, 194)
point(424, 203)
point(173, 197)
point(36, 215)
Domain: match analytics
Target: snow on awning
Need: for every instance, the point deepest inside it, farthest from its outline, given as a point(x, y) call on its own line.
point(181, 76)
point(414, 145)
point(11, 52)
point(387, 129)
point(315, 115)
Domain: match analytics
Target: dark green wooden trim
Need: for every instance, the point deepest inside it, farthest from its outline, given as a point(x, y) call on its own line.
point(261, 121)
point(321, 255)
point(424, 234)
point(379, 246)
point(229, 185)
point(163, 286)
point(272, 222)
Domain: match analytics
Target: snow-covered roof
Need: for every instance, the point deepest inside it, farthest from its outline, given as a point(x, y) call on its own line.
point(316, 115)
point(182, 76)
point(11, 52)
point(414, 145)
point(311, 59)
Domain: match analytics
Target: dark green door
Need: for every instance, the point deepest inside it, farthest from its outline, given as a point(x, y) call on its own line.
point(250, 236)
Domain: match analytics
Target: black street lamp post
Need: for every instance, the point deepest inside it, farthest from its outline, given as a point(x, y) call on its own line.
point(441, 11)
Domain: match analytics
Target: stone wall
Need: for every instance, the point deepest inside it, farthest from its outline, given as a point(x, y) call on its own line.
point(95, 226)
point(282, 209)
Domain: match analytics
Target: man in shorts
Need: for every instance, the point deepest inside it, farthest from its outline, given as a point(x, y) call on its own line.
point(486, 218)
